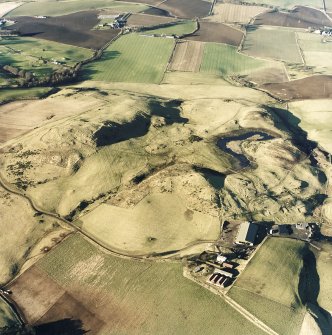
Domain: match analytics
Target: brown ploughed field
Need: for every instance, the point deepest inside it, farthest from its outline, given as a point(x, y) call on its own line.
point(187, 56)
point(148, 20)
point(299, 17)
point(315, 87)
point(74, 29)
point(187, 9)
point(218, 33)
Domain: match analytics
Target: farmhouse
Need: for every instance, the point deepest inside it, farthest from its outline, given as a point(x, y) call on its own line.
point(247, 233)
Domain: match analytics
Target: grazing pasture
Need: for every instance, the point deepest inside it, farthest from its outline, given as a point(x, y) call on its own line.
point(175, 28)
point(133, 58)
point(270, 282)
point(144, 20)
point(315, 87)
point(41, 57)
point(141, 297)
point(288, 4)
point(218, 33)
point(74, 29)
point(299, 17)
point(233, 13)
point(56, 8)
point(265, 42)
point(224, 60)
point(187, 9)
point(187, 56)
point(159, 223)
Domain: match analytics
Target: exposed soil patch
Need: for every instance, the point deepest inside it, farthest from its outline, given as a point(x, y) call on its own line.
point(148, 20)
point(187, 56)
point(187, 8)
point(315, 87)
point(299, 17)
point(74, 29)
point(217, 32)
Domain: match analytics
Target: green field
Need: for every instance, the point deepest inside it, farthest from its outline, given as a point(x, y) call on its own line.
point(133, 58)
point(222, 59)
point(7, 95)
point(54, 8)
point(316, 52)
point(272, 43)
point(268, 287)
point(141, 297)
point(288, 3)
point(177, 28)
point(39, 56)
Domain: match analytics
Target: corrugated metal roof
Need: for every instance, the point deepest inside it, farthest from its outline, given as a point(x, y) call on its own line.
point(247, 232)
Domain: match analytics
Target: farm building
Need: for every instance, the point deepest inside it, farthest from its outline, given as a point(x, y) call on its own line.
point(247, 233)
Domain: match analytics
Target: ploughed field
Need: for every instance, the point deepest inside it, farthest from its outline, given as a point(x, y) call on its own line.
point(187, 8)
point(299, 17)
point(74, 29)
point(216, 32)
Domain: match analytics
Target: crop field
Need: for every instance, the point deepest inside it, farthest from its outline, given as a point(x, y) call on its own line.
point(187, 56)
point(172, 226)
point(55, 8)
point(224, 60)
point(315, 87)
point(316, 53)
point(144, 20)
point(187, 9)
point(315, 118)
point(300, 17)
point(38, 56)
point(133, 58)
point(74, 29)
point(132, 291)
point(270, 283)
point(265, 43)
point(288, 4)
point(149, 2)
point(175, 28)
point(217, 32)
point(232, 13)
